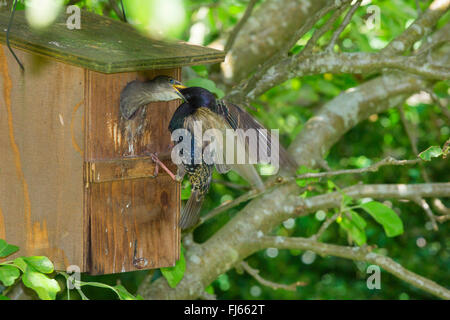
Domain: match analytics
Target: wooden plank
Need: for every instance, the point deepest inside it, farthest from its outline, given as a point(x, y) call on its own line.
point(41, 186)
point(105, 45)
point(144, 212)
point(124, 169)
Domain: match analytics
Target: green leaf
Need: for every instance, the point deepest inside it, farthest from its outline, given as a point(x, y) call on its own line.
point(21, 264)
point(40, 263)
point(174, 274)
point(8, 274)
point(207, 84)
point(7, 249)
point(357, 220)
point(123, 293)
point(385, 216)
point(209, 289)
point(45, 287)
point(4, 298)
point(431, 152)
point(351, 226)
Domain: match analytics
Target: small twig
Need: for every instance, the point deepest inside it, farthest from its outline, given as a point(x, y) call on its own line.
point(341, 28)
point(424, 205)
point(255, 274)
point(231, 184)
point(281, 180)
point(320, 32)
point(412, 141)
point(116, 9)
point(325, 226)
point(247, 85)
point(418, 29)
point(389, 161)
point(444, 109)
point(228, 205)
point(123, 11)
point(240, 24)
point(443, 218)
point(408, 129)
point(434, 40)
point(440, 207)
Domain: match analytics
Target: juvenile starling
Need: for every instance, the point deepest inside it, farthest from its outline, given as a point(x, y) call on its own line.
point(137, 94)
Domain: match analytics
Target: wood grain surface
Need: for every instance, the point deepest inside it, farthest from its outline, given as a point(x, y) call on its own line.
point(133, 223)
point(41, 177)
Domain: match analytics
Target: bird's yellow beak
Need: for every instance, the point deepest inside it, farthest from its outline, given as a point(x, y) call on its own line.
point(178, 86)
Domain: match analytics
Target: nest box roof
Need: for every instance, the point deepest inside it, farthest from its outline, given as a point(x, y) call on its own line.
point(103, 44)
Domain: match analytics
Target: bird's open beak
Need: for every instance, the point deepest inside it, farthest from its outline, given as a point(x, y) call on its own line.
point(178, 86)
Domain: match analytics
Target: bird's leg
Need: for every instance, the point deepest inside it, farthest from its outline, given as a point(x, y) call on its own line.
point(158, 163)
point(180, 173)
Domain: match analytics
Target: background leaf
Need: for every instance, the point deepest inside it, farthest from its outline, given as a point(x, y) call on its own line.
point(354, 227)
point(8, 274)
point(174, 274)
point(123, 293)
point(40, 263)
point(45, 287)
point(431, 152)
point(7, 249)
point(385, 216)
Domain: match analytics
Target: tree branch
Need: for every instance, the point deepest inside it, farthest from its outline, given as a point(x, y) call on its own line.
point(255, 193)
point(255, 274)
point(357, 254)
point(424, 205)
point(280, 70)
point(269, 27)
point(348, 62)
point(341, 28)
point(389, 161)
point(417, 30)
point(240, 24)
point(235, 240)
point(239, 238)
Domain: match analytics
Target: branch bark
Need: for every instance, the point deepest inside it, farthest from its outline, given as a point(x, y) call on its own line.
point(357, 254)
point(240, 237)
point(270, 26)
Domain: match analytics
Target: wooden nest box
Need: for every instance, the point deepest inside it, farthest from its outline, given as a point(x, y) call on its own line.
point(76, 180)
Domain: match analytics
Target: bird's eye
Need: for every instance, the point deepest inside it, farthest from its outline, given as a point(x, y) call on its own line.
point(171, 81)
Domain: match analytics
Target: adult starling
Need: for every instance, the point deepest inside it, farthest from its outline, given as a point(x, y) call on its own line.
point(138, 93)
point(201, 106)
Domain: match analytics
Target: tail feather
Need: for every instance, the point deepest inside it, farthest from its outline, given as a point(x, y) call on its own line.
point(191, 211)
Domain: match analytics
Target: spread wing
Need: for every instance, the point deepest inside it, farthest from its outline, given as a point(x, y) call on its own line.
point(238, 118)
point(215, 125)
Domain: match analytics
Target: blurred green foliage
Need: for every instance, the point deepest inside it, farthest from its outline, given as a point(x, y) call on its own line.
point(288, 107)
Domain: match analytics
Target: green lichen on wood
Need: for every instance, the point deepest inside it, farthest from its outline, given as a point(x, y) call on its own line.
point(103, 44)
